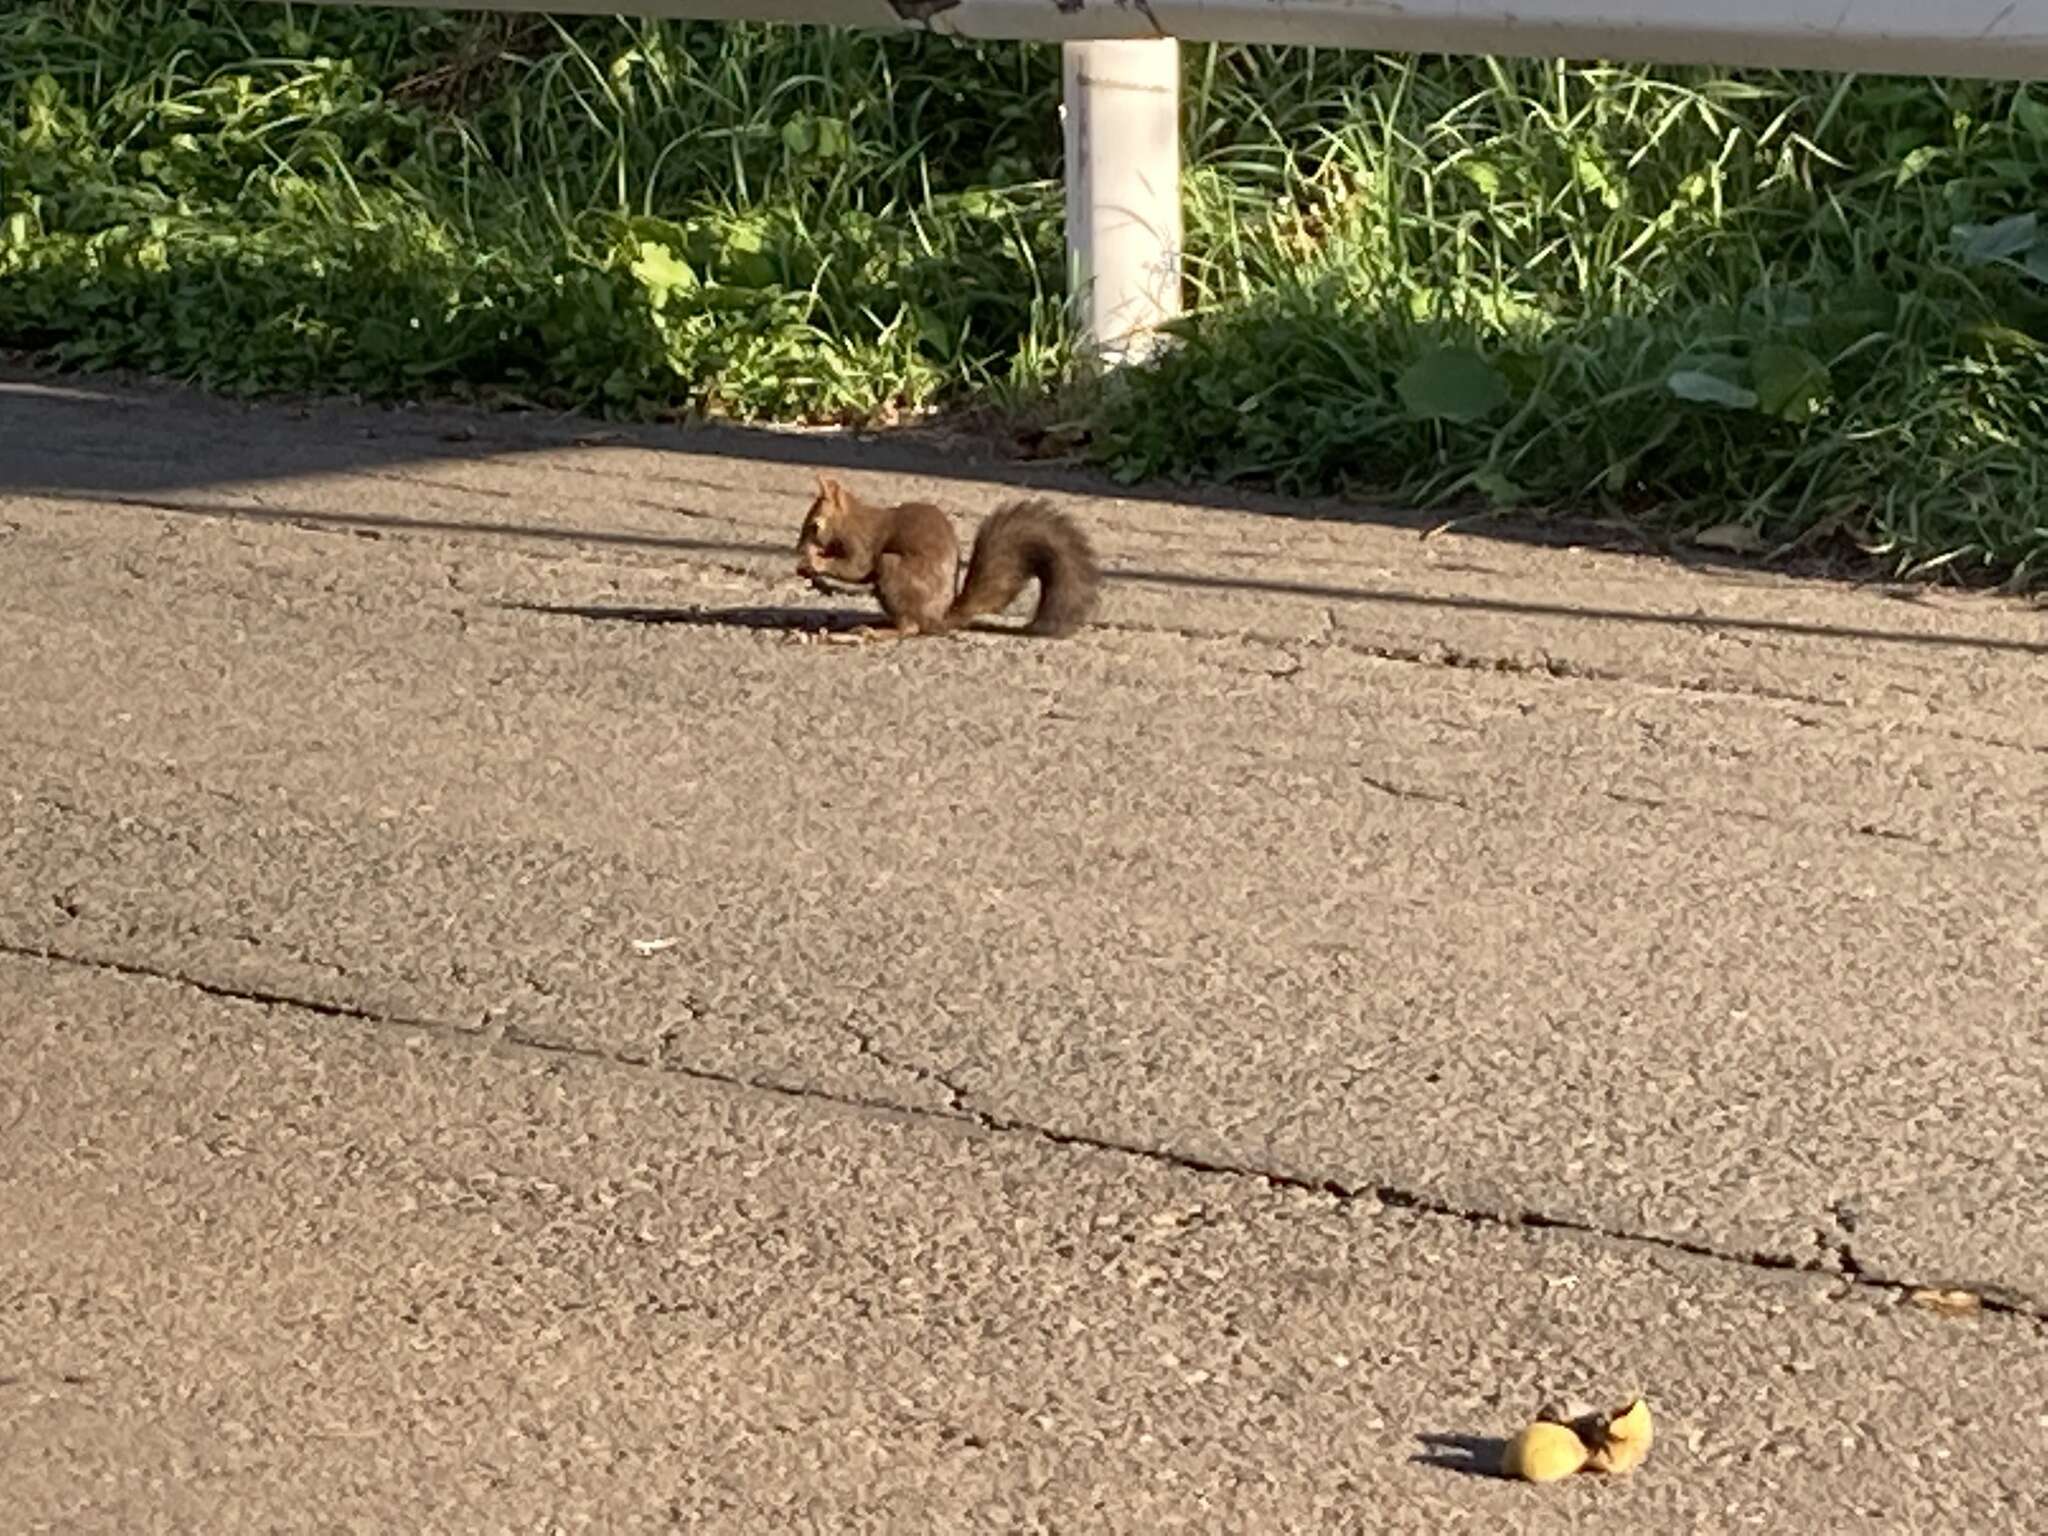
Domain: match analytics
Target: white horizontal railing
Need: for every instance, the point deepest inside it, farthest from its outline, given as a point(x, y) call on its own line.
point(1998, 39)
point(1122, 78)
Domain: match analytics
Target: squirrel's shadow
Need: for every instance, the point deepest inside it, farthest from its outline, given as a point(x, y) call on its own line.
point(1473, 1455)
point(792, 621)
point(755, 616)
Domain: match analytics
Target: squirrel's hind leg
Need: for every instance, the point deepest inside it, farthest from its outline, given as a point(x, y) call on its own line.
point(914, 596)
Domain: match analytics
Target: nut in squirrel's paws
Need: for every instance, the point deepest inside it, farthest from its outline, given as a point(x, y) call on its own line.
point(1613, 1444)
point(1544, 1453)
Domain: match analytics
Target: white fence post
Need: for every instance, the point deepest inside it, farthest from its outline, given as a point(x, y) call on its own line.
point(1122, 118)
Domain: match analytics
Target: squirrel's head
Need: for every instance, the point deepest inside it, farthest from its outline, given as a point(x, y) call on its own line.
point(822, 542)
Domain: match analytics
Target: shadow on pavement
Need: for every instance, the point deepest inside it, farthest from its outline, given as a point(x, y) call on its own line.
point(372, 523)
point(795, 621)
point(109, 439)
point(1474, 1455)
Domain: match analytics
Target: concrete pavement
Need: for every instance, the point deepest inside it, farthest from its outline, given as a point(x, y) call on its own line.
point(502, 1028)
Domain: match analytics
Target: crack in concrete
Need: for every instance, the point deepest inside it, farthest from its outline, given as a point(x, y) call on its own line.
point(1544, 667)
point(1561, 669)
point(1835, 1259)
point(870, 1047)
point(1764, 818)
point(1423, 796)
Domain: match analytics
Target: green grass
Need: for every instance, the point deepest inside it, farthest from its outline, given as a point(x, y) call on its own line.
point(1810, 306)
point(643, 218)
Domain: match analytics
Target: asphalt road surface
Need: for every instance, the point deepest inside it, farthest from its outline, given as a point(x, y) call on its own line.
point(504, 1028)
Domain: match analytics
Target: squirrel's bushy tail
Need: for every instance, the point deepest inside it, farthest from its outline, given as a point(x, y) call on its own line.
point(1024, 540)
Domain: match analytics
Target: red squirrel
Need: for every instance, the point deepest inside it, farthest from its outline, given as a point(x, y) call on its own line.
point(910, 555)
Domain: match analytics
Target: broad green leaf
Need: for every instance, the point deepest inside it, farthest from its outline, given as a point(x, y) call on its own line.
point(835, 138)
point(1483, 174)
point(662, 273)
point(1590, 170)
point(1853, 312)
point(1498, 489)
point(744, 259)
point(1452, 384)
point(1981, 244)
point(1791, 383)
point(1524, 370)
point(1703, 388)
point(2032, 117)
point(1425, 303)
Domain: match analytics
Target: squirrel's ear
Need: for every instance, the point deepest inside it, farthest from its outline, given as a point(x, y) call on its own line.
point(828, 488)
